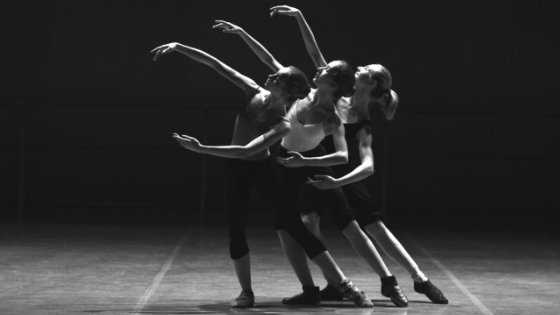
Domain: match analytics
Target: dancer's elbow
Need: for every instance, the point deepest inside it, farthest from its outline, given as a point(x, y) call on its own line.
point(368, 170)
point(343, 157)
point(244, 153)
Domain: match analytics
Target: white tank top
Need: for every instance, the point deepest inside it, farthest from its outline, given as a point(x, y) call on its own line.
point(302, 137)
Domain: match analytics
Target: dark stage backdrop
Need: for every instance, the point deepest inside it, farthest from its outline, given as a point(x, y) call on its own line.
point(477, 131)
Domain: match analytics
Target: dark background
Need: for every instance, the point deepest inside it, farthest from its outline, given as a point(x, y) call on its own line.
point(476, 138)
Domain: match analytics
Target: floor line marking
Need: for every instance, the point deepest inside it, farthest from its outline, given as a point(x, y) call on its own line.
point(485, 310)
point(157, 279)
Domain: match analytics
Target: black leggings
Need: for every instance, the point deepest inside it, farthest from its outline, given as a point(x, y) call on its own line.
point(263, 176)
point(365, 209)
point(333, 200)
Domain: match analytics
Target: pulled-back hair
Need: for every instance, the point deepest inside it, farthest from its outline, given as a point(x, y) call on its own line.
point(383, 95)
point(345, 79)
point(297, 85)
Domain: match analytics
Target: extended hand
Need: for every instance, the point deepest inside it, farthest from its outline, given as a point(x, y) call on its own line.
point(296, 160)
point(228, 27)
point(322, 182)
point(187, 142)
point(284, 10)
point(163, 49)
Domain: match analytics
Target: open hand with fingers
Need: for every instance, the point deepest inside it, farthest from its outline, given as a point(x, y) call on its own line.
point(284, 10)
point(322, 182)
point(228, 27)
point(295, 160)
point(164, 49)
point(187, 142)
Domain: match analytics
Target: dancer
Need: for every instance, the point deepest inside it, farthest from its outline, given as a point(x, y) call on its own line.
point(312, 118)
point(373, 91)
point(259, 124)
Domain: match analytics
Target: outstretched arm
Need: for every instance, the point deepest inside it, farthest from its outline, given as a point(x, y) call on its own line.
point(338, 157)
point(255, 46)
point(240, 80)
point(364, 170)
point(237, 151)
point(308, 38)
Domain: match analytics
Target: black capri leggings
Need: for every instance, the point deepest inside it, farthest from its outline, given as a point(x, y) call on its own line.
point(333, 200)
point(262, 175)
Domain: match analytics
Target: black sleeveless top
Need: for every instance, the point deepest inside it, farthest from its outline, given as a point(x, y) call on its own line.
point(350, 131)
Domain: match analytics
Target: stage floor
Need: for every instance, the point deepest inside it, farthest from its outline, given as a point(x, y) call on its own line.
point(81, 269)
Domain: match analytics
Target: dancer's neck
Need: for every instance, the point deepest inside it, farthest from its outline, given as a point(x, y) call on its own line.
point(359, 103)
point(323, 98)
point(276, 103)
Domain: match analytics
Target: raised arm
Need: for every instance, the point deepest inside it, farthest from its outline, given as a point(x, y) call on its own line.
point(255, 46)
point(236, 151)
point(308, 38)
point(240, 80)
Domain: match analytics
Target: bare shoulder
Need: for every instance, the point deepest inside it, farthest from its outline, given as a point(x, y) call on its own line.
point(332, 123)
point(344, 102)
point(304, 102)
point(283, 123)
point(364, 132)
point(260, 93)
point(257, 98)
point(335, 119)
point(282, 127)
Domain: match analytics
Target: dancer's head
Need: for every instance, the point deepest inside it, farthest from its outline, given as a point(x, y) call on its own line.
point(289, 82)
point(378, 80)
point(337, 76)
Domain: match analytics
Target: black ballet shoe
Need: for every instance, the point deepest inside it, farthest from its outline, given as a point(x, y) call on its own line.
point(431, 291)
point(391, 289)
point(309, 296)
point(329, 293)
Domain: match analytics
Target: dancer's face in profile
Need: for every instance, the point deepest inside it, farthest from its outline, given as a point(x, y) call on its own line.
point(276, 83)
point(365, 74)
point(325, 75)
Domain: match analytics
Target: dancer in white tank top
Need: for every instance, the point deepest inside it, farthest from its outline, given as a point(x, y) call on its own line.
point(302, 137)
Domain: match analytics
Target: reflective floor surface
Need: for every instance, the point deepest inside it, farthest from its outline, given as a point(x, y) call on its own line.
point(169, 270)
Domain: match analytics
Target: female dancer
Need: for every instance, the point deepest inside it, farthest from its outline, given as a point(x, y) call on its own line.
point(373, 90)
point(312, 118)
point(259, 124)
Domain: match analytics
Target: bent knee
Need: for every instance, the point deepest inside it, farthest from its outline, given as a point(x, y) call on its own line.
point(352, 230)
point(376, 228)
point(311, 221)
